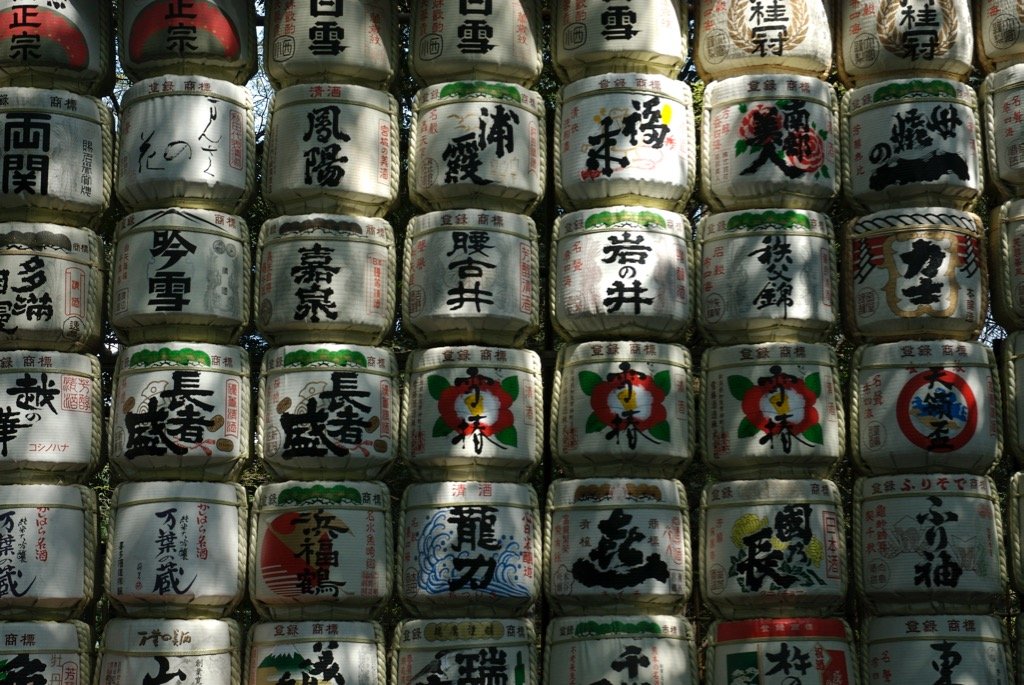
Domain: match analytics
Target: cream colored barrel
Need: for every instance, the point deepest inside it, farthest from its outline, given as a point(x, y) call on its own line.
point(500, 650)
point(331, 147)
point(925, 406)
point(773, 548)
point(622, 272)
point(772, 410)
point(469, 549)
point(186, 141)
point(201, 651)
point(590, 37)
point(617, 545)
point(476, 39)
point(477, 144)
point(1005, 241)
point(345, 651)
point(308, 263)
point(913, 142)
point(58, 652)
point(180, 274)
point(52, 418)
point(1012, 357)
point(176, 548)
point(53, 294)
point(213, 37)
point(320, 549)
point(623, 407)
point(328, 409)
point(473, 412)
point(766, 275)
point(997, 34)
point(58, 156)
point(915, 273)
point(964, 648)
point(180, 410)
point(48, 551)
point(334, 42)
point(625, 139)
point(471, 276)
point(928, 543)
point(1001, 110)
point(579, 650)
point(1015, 514)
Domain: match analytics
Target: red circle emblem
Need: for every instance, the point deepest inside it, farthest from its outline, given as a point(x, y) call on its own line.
point(937, 411)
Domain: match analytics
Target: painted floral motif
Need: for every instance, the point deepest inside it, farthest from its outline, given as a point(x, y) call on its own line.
point(476, 407)
point(782, 134)
point(628, 403)
point(776, 555)
point(779, 406)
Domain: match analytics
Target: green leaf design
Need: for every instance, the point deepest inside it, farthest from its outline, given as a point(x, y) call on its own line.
point(743, 108)
point(824, 172)
point(739, 385)
point(594, 424)
point(663, 379)
point(441, 428)
point(741, 146)
point(747, 429)
point(436, 385)
point(823, 134)
point(814, 434)
point(661, 431)
point(813, 383)
point(511, 386)
point(588, 380)
point(509, 437)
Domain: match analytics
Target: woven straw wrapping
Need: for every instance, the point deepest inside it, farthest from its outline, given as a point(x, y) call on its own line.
point(207, 649)
point(269, 644)
point(1005, 248)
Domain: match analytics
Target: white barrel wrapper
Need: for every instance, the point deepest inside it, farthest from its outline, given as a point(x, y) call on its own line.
point(194, 651)
point(311, 650)
point(59, 652)
point(1006, 263)
point(997, 34)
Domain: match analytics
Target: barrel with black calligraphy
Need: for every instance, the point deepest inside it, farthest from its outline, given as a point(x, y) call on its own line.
point(180, 274)
point(469, 548)
point(53, 298)
point(581, 650)
point(913, 142)
point(328, 409)
point(617, 545)
point(625, 139)
point(49, 651)
point(48, 551)
point(1001, 110)
point(622, 272)
point(331, 147)
point(766, 275)
point(590, 37)
point(213, 37)
point(925, 406)
point(477, 144)
point(928, 543)
point(186, 141)
point(333, 41)
point(623, 407)
point(180, 411)
point(500, 650)
point(197, 651)
point(997, 34)
point(1005, 241)
point(345, 651)
point(773, 548)
point(320, 549)
point(471, 276)
point(1012, 367)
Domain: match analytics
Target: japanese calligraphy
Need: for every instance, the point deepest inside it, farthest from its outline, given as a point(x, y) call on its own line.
point(26, 153)
point(10, 576)
point(614, 562)
point(318, 529)
point(314, 268)
point(32, 396)
point(769, 24)
point(914, 130)
point(485, 666)
point(782, 553)
point(643, 125)
point(946, 661)
point(167, 287)
point(922, 263)
point(325, 163)
point(474, 32)
point(628, 663)
point(26, 38)
point(169, 572)
point(776, 257)
point(172, 420)
point(181, 35)
point(471, 251)
point(28, 302)
point(333, 421)
point(326, 35)
point(22, 669)
point(942, 408)
point(618, 22)
point(474, 527)
point(462, 154)
point(938, 567)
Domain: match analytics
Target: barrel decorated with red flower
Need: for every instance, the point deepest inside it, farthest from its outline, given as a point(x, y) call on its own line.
point(352, 651)
point(59, 651)
point(203, 651)
point(997, 33)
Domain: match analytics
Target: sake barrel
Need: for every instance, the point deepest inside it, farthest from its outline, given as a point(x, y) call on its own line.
point(57, 155)
point(1004, 143)
point(1012, 353)
point(963, 648)
point(176, 548)
point(52, 652)
point(623, 407)
point(473, 412)
point(621, 272)
point(1005, 241)
point(47, 550)
point(590, 38)
point(773, 548)
point(477, 144)
point(347, 651)
point(320, 549)
point(180, 274)
point(471, 276)
point(334, 42)
point(476, 39)
point(928, 543)
point(914, 273)
point(51, 426)
point(205, 153)
point(580, 650)
point(924, 406)
point(625, 139)
point(908, 143)
point(781, 651)
point(770, 140)
point(212, 37)
point(331, 147)
point(900, 39)
point(328, 409)
point(766, 275)
point(67, 44)
point(53, 294)
point(1016, 516)
point(469, 549)
point(772, 410)
point(997, 34)
point(617, 545)
point(180, 410)
point(500, 650)
point(308, 263)
point(197, 651)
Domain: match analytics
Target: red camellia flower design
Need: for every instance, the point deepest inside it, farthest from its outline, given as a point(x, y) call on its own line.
point(628, 401)
point(476, 406)
point(804, 150)
point(781, 405)
point(762, 125)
